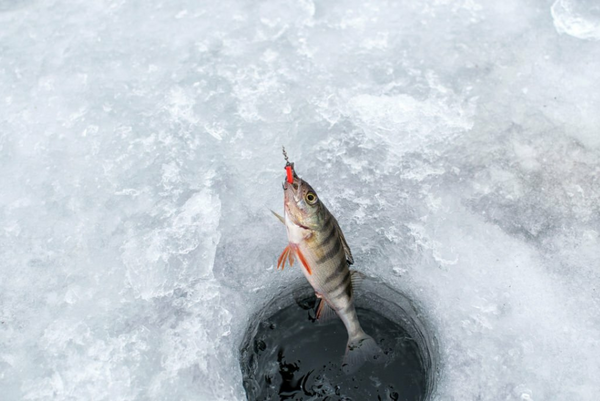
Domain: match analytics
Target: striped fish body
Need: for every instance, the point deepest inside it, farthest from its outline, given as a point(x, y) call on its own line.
point(316, 240)
point(322, 248)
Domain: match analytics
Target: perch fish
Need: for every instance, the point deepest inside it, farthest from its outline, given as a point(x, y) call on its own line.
point(316, 240)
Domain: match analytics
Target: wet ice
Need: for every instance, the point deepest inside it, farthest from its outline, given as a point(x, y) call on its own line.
point(456, 142)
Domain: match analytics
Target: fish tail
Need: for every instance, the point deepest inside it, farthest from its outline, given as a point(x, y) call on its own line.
point(360, 349)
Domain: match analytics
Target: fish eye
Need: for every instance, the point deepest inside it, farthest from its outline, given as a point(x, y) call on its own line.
point(311, 198)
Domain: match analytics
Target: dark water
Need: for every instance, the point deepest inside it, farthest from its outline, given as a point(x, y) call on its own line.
point(287, 355)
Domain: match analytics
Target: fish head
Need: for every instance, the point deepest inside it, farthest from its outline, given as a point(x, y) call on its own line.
point(301, 203)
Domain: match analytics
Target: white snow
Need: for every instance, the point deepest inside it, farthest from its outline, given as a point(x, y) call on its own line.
point(140, 150)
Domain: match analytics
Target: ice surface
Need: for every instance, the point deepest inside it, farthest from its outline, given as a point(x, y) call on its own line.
point(578, 18)
point(456, 141)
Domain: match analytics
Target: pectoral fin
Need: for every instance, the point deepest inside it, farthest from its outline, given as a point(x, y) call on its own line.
point(303, 261)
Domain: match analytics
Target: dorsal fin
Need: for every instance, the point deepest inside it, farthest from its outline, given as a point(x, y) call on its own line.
point(356, 277)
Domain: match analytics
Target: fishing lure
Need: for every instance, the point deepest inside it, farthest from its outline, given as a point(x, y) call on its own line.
point(288, 167)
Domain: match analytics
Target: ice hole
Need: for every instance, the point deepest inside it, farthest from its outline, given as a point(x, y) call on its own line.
point(286, 354)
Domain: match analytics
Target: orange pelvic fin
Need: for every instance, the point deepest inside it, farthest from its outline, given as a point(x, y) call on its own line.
point(283, 257)
point(303, 260)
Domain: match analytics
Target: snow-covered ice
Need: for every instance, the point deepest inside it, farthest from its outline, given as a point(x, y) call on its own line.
point(457, 142)
point(578, 18)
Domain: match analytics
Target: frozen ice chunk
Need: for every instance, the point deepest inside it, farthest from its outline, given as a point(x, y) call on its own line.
point(578, 18)
point(407, 123)
point(181, 250)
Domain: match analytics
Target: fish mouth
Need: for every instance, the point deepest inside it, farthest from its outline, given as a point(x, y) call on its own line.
point(296, 192)
point(293, 194)
point(289, 214)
